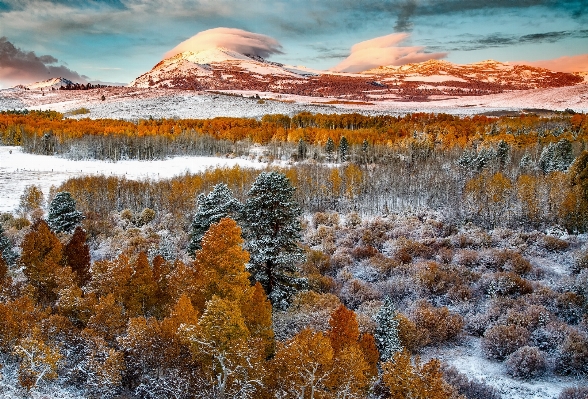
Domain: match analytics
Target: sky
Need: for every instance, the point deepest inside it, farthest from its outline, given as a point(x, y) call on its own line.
point(118, 40)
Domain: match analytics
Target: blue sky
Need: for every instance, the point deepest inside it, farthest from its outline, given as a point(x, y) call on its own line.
point(117, 40)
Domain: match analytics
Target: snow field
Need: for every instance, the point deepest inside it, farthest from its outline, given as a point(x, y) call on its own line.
point(19, 170)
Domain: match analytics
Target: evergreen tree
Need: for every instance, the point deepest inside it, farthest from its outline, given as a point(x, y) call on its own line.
point(218, 204)
point(63, 216)
point(556, 157)
point(272, 230)
point(526, 161)
point(386, 333)
point(330, 149)
point(343, 149)
point(502, 152)
point(6, 249)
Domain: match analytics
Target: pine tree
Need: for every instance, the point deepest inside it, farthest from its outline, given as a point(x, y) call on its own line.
point(556, 157)
point(502, 152)
point(272, 230)
point(6, 249)
point(343, 149)
point(63, 216)
point(330, 149)
point(218, 204)
point(386, 333)
point(526, 161)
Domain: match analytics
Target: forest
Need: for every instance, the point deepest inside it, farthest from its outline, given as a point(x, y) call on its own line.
point(367, 249)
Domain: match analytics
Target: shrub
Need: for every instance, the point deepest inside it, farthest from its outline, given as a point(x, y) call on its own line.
point(526, 363)
point(505, 284)
point(552, 243)
point(574, 393)
point(500, 341)
point(352, 220)
point(435, 325)
point(580, 261)
point(467, 257)
point(471, 389)
point(573, 355)
point(355, 292)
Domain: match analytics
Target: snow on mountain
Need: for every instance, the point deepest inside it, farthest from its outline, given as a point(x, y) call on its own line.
point(489, 75)
point(215, 68)
point(221, 69)
point(54, 83)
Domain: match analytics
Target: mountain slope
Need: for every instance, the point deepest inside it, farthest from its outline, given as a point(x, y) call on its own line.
point(224, 69)
point(54, 83)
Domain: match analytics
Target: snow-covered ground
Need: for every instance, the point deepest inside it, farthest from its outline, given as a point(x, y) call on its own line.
point(469, 360)
point(135, 103)
point(19, 170)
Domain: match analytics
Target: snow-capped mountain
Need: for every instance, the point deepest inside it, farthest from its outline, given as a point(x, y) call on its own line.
point(217, 68)
point(224, 69)
point(54, 83)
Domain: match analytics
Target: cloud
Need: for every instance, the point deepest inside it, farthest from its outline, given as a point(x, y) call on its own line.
point(18, 66)
point(237, 40)
point(383, 51)
point(575, 63)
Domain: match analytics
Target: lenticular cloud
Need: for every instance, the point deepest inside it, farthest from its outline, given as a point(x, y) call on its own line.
point(237, 40)
point(383, 51)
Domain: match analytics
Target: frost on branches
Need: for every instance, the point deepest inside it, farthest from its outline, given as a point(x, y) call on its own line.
point(386, 333)
point(218, 204)
point(63, 216)
point(272, 227)
point(6, 249)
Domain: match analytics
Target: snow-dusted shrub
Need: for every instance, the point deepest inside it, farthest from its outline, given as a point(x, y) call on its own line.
point(572, 358)
point(355, 292)
point(407, 250)
point(375, 233)
point(526, 363)
point(500, 341)
point(552, 243)
point(570, 307)
point(438, 279)
point(550, 337)
point(471, 389)
point(529, 317)
point(580, 261)
point(325, 219)
point(505, 284)
point(467, 257)
point(364, 252)
point(383, 264)
point(574, 393)
point(435, 325)
point(352, 220)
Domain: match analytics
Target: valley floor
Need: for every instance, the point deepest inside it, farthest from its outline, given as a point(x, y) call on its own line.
point(132, 103)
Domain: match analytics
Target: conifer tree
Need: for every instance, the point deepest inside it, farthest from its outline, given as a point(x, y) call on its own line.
point(556, 156)
point(502, 152)
point(6, 249)
point(301, 150)
point(218, 204)
point(386, 333)
point(330, 149)
point(63, 216)
point(343, 149)
point(272, 230)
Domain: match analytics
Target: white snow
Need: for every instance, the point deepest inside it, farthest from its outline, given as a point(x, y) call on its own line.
point(434, 78)
point(19, 170)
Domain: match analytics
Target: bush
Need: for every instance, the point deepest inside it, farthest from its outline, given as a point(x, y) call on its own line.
point(526, 363)
point(574, 393)
point(500, 341)
point(552, 243)
point(573, 355)
point(471, 389)
point(505, 284)
point(435, 325)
